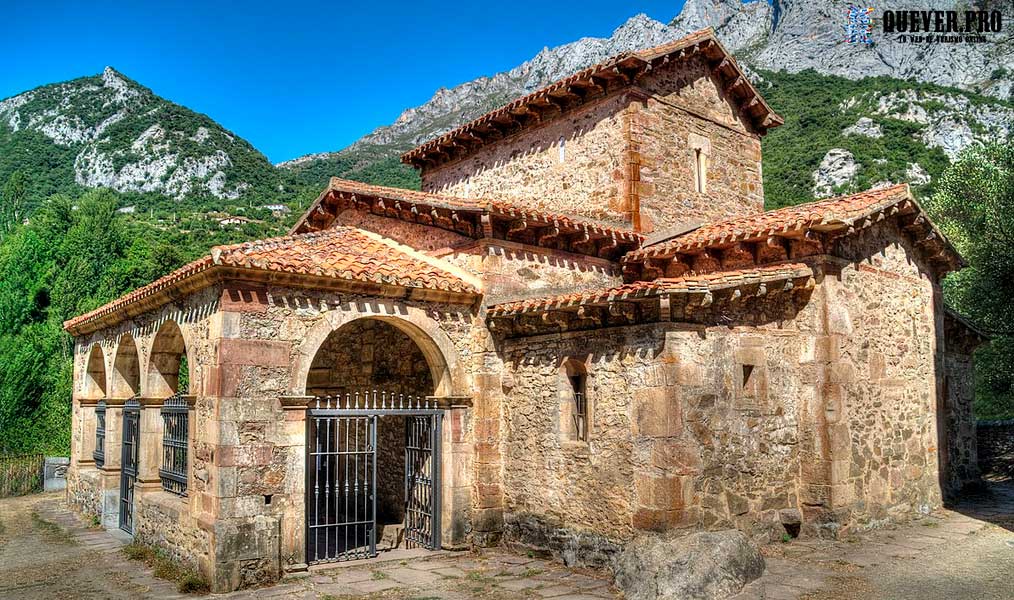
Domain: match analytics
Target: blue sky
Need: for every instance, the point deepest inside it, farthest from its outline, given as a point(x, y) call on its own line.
point(294, 77)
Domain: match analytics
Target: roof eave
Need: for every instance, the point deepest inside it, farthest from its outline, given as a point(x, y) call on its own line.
point(217, 273)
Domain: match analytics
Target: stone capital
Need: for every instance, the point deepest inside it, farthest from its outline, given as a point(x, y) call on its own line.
point(295, 402)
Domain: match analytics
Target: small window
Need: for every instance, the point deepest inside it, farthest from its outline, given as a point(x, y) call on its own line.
point(575, 408)
point(563, 149)
point(700, 170)
point(579, 409)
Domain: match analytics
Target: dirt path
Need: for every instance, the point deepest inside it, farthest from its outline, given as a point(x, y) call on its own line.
point(963, 553)
point(41, 558)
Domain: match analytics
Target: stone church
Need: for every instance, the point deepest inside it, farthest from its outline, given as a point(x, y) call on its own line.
point(584, 328)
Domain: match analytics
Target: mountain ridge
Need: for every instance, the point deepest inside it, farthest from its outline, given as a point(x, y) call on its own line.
point(786, 35)
point(125, 137)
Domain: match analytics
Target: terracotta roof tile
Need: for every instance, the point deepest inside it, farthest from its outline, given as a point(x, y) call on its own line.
point(338, 253)
point(842, 210)
point(478, 205)
point(641, 58)
point(639, 289)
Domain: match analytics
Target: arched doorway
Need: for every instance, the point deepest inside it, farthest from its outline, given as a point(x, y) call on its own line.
point(373, 444)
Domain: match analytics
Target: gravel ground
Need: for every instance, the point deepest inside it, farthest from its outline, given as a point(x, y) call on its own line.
point(966, 552)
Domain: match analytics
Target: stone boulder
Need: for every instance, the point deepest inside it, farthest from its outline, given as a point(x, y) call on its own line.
point(706, 565)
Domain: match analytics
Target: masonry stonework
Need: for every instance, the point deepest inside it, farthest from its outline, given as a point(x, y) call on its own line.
point(791, 372)
point(573, 165)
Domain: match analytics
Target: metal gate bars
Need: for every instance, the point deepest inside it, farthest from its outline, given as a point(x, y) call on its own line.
point(341, 474)
point(128, 461)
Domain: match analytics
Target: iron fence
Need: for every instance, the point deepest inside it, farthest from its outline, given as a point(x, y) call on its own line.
point(99, 454)
point(175, 437)
point(21, 474)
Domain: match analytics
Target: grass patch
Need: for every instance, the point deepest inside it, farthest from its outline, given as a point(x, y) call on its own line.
point(379, 575)
point(531, 572)
point(930, 524)
point(188, 581)
point(52, 531)
point(95, 522)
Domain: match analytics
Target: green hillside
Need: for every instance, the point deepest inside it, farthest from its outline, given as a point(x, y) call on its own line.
point(65, 248)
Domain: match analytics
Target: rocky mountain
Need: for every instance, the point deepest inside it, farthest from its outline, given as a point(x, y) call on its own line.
point(891, 98)
point(788, 35)
point(109, 131)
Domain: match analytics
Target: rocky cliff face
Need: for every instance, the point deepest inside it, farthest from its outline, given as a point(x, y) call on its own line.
point(126, 138)
point(791, 35)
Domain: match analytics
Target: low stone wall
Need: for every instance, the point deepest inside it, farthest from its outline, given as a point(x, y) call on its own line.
point(83, 490)
point(535, 533)
point(163, 521)
point(996, 445)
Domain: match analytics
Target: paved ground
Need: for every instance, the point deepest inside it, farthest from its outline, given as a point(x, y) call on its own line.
point(968, 552)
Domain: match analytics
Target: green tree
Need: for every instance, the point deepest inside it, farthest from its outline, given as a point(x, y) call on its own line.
point(974, 206)
point(12, 203)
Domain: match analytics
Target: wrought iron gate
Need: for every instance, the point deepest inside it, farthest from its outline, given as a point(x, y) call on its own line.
point(420, 491)
point(341, 474)
point(128, 462)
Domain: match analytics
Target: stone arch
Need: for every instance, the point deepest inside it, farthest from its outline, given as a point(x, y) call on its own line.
point(95, 380)
point(168, 362)
point(125, 380)
point(441, 356)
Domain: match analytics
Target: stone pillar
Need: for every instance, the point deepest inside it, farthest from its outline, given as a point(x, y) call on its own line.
point(456, 468)
point(487, 518)
point(84, 426)
point(251, 466)
point(293, 525)
point(150, 440)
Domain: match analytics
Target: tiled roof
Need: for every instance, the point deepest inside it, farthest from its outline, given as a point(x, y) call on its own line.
point(639, 61)
point(833, 213)
point(411, 201)
point(338, 253)
point(640, 289)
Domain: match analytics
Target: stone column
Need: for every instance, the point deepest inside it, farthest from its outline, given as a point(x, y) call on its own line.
point(84, 425)
point(150, 440)
point(293, 525)
point(456, 468)
point(488, 515)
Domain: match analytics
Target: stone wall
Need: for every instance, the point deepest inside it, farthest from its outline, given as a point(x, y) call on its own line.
point(585, 178)
point(513, 272)
point(688, 113)
point(996, 446)
point(959, 457)
point(420, 237)
point(885, 366)
point(167, 522)
point(691, 426)
point(628, 159)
